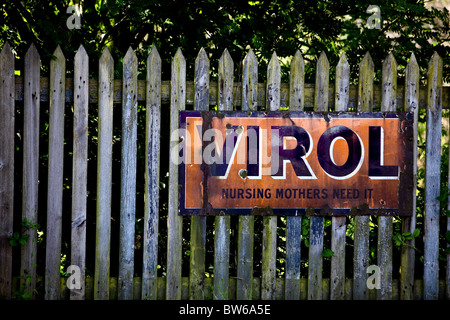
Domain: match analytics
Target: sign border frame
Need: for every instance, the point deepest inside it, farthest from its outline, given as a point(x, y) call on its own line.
point(406, 179)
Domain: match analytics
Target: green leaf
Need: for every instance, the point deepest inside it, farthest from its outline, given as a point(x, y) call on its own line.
point(327, 253)
point(416, 233)
point(307, 243)
point(447, 236)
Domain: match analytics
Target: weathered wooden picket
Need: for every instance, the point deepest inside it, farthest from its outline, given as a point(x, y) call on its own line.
point(247, 94)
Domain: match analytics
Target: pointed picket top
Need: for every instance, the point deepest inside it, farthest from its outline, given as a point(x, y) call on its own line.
point(201, 81)
point(434, 82)
point(153, 56)
point(129, 83)
point(411, 101)
point(250, 56)
point(153, 74)
point(59, 64)
point(178, 80)
point(342, 84)
point(106, 55)
point(32, 50)
point(6, 48)
point(273, 84)
point(201, 62)
point(7, 61)
point(58, 53)
point(81, 52)
point(129, 90)
point(389, 84)
point(322, 83)
point(225, 77)
point(297, 83)
point(57, 75)
point(130, 56)
point(249, 81)
point(179, 57)
point(365, 85)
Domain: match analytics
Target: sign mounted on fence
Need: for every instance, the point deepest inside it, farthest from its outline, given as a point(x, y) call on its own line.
point(292, 163)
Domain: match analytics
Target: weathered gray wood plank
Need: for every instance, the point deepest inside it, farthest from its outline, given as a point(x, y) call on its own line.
point(293, 257)
point(316, 227)
point(342, 84)
point(361, 228)
point(337, 278)
point(432, 178)
point(222, 223)
point(198, 222)
point(30, 167)
point(250, 81)
point(7, 124)
point(79, 168)
point(55, 176)
point(244, 288)
point(315, 263)
point(385, 224)
point(322, 83)
point(268, 276)
point(297, 83)
point(152, 171)
point(294, 223)
point(338, 226)
point(175, 221)
point(128, 176)
point(104, 176)
point(411, 104)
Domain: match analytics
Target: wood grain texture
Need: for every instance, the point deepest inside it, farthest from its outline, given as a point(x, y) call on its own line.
point(385, 224)
point(222, 223)
point(30, 168)
point(361, 229)
point(244, 288)
point(79, 168)
point(411, 104)
point(55, 175)
point(432, 178)
point(294, 223)
point(175, 221)
point(128, 176)
point(338, 224)
point(316, 227)
point(198, 222)
point(7, 125)
point(152, 176)
point(268, 269)
point(104, 177)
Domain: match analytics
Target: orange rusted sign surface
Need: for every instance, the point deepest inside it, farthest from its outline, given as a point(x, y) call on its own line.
point(289, 162)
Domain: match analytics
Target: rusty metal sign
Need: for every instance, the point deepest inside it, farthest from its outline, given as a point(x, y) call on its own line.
point(293, 163)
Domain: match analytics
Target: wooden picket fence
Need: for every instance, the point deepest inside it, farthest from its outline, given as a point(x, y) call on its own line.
point(247, 94)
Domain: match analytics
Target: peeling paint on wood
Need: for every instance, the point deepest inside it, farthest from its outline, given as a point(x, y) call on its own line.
point(152, 178)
